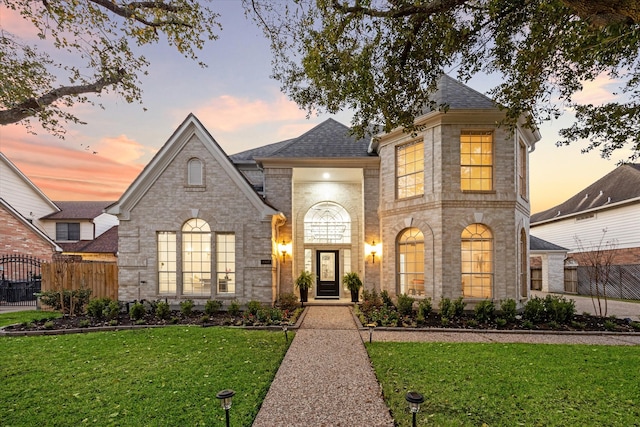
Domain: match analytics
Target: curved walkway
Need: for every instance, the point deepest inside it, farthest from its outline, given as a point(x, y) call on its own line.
point(326, 378)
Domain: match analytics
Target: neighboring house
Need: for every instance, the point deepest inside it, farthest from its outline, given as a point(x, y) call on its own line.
point(84, 229)
point(547, 266)
point(21, 206)
point(440, 213)
point(605, 213)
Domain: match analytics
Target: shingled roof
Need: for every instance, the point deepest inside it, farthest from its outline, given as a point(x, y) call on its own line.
point(79, 210)
point(619, 185)
point(537, 244)
point(106, 243)
point(459, 96)
point(328, 139)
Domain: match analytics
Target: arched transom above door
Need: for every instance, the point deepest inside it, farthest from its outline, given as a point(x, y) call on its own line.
point(327, 223)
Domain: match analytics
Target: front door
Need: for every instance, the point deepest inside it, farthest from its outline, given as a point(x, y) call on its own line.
point(327, 273)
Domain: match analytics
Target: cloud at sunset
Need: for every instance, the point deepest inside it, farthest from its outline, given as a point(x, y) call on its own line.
point(599, 91)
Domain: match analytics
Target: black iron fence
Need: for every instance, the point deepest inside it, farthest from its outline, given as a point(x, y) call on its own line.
point(20, 279)
point(624, 281)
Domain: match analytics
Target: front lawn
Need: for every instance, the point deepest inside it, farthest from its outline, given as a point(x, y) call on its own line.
point(147, 377)
point(26, 316)
point(510, 384)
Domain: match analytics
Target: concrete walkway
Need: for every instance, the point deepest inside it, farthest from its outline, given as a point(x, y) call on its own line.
point(326, 378)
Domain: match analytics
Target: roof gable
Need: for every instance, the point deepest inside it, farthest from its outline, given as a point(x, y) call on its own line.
point(7, 165)
point(79, 210)
point(29, 225)
point(191, 127)
point(458, 96)
point(620, 185)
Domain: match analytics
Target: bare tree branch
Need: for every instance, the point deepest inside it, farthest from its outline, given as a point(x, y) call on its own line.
point(32, 106)
point(433, 7)
point(129, 11)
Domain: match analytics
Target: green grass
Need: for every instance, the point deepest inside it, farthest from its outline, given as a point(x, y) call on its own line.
point(511, 384)
point(146, 377)
point(26, 316)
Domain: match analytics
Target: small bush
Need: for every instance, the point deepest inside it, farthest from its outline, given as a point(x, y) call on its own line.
point(559, 309)
point(113, 322)
point(508, 310)
point(445, 321)
point(485, 311)
point(84, 323)
point(405, 305)
point(186, 307)
point(275, 314)
point(635, 326)
point(458, 307)
point(472, 323)
point(424, 307)
point(68, 302)
point(501, 322)
point(446, 308)
point(578, 325)
point(263, 315)
point(553, 324)
point(163, 310)
point(212, 307)
point(137, 311)
point(288, 302)
point(174, 320)
point(204, 318)
point(48, 325)
point(610, 326)
point(253, 307)
point(527, 324)
point(112, 310)
point(386, 299)
point(534, 310)
point(370, 301)
point(234, 308)
point(96, 308)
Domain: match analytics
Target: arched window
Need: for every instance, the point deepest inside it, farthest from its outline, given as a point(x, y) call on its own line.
point(196, 257)
point(411, 262)
point(477, 261)
point(194, 172)
point(327, 222)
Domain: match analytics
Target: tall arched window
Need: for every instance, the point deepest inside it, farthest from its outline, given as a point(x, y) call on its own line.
point(411, 262)
point(196, 257)
point(477, 261)
point(327, 222)
point(194, 172)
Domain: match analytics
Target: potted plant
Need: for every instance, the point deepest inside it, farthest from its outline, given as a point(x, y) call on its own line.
point(304, 282)
point(353, 283)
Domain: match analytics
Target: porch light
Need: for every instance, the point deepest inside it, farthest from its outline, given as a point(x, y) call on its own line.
point(225, 397)
point(284, 248)
point(415, 399)
point(372, 250)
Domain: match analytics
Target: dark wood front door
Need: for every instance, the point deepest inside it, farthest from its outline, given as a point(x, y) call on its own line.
point(328, 274)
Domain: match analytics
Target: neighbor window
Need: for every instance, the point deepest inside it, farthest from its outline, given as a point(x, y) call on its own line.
point(477, 261)
point(67, 231)
point(410, 170)
point(196, 257)
point(195, 172)
point(167, 263)
point(411, 262)
point(476, 161)
point(226, 262)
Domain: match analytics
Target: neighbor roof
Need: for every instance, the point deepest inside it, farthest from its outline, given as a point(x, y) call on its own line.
point(107, 242)
point(619, 185)
point(79, 210)
point(537, 244)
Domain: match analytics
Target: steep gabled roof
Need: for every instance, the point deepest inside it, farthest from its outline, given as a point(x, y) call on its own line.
point(329, 139)
point(191, 127)
point(459, 96)
point(618, 186)
point(79, 210)
point(106, 243)
point(4, 204)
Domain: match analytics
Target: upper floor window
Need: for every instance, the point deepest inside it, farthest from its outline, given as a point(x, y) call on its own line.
point(522, 169)
point(67, 231)
point(410, 170)
point(327, 222)
point(476, 161)
point(194, 173)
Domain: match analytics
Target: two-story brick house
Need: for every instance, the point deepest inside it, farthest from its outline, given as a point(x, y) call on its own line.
point(442, 213)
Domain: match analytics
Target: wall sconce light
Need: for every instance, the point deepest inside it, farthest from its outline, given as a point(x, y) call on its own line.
point(225, 397)
point(372, 250)
point(284, 248)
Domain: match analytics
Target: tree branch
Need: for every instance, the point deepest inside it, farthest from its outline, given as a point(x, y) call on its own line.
point(435, 6)
point(129, 11)
point(32, 106)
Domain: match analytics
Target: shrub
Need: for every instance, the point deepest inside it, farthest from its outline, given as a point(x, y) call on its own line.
point(288, 301)
point(384, 316)
point(212, 307)
point(424, 307)
point(186, 307)
point(48, 325)
point(501, 322)
point(275, 314)
point(386, 299)
point(527, 324)
point(263, 315)
point(485, 311)
point(472, 323)
point(234, 308)
point(113, 322)
point(534, 310)
point(559, 309)
point(446, 308)
point(508, 310)
point(609, 325)
point(163, 310)
point(635, 326)
point(253, 307)
point(68, 302)
point(96, 307)
point(112, 310)
point(405, 305)
point(204, 318)
point(458, 307)
point(84, 323)
point(137, 311)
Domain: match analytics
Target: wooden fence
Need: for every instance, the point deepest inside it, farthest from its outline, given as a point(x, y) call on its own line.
point(624, 281)
point(100, 277)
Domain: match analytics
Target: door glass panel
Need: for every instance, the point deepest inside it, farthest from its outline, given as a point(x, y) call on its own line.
point(327, 267)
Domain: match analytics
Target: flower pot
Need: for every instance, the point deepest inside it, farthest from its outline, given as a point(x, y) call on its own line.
point(304, 293)
point(354, 296)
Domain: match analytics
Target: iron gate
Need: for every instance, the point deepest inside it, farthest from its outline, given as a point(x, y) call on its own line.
point(20, 279)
